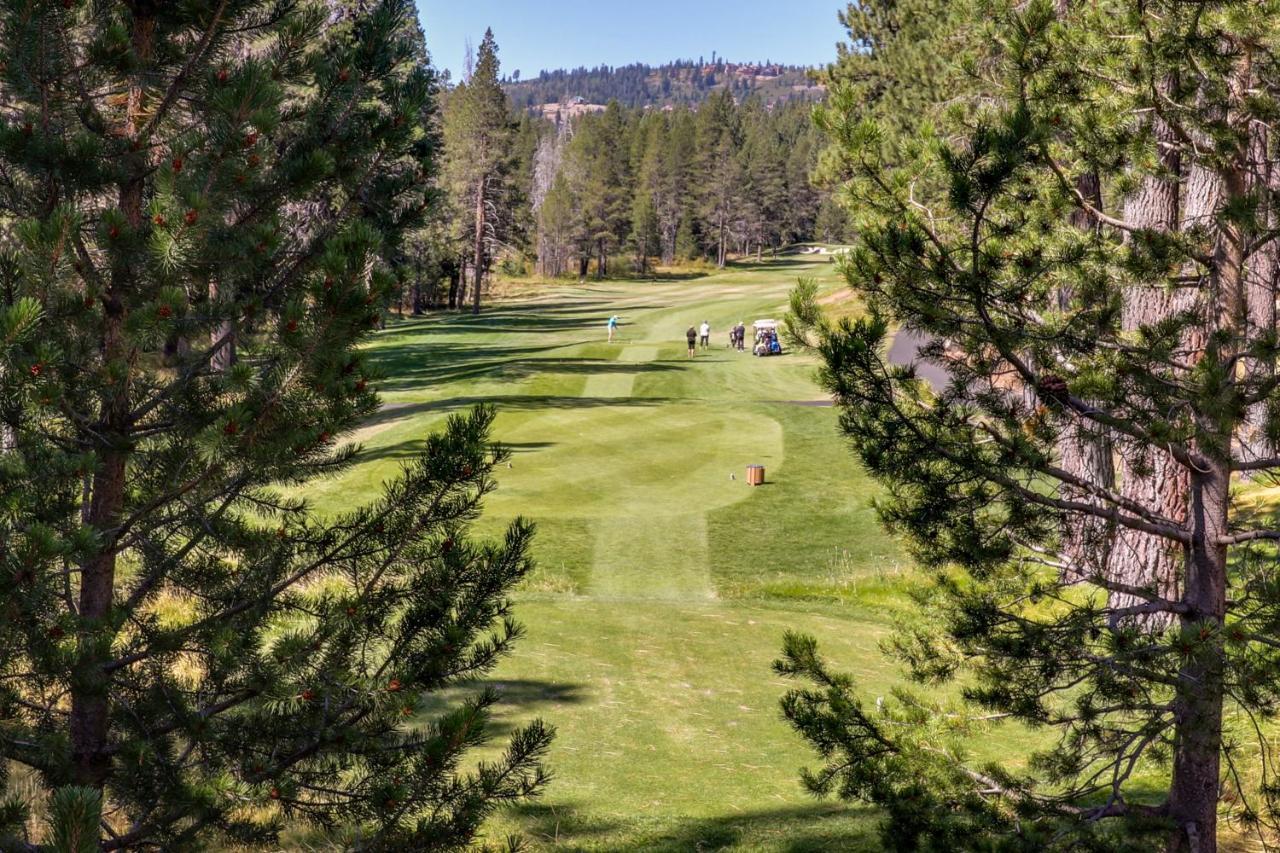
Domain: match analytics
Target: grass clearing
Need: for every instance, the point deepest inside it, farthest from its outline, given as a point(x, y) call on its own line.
point(664, 586)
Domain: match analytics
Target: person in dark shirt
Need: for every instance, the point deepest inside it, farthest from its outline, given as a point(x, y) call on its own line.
point(692, 337)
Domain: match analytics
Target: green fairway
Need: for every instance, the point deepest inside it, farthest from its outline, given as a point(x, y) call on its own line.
point(664, 585)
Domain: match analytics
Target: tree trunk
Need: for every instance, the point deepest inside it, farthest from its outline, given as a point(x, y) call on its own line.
point(224, 356)
point(90, 719)
point(1085, 448)
point(479, 254)
point(1198, 700)
point(1260, 289)
point(90, 691)
point(176, 348)
point(1197, 750)
point(415, 295)
point(1150, 475)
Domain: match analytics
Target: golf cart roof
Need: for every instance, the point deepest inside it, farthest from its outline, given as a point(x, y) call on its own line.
point(765, 324)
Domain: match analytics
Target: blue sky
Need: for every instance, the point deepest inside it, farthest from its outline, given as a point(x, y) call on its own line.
point(534, 35)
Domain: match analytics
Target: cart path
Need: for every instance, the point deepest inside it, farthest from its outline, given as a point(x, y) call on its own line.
point(629, 562)
point(619, 384)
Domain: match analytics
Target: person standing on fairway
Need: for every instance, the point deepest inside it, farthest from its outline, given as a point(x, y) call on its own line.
point(705, 332)
point(613, 326)
point(692, 337)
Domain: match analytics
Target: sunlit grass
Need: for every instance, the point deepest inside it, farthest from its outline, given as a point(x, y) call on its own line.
point(664, 582)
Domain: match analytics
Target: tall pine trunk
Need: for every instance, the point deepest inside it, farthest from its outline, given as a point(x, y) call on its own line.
point(1197, 752)
point(1150, 475)
point(1261, 281)
point(1198, 701)
point(479, 247)
point(89, 723)
point(1085, 447)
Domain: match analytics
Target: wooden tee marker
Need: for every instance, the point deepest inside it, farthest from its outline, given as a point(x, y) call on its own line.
point(755, 475)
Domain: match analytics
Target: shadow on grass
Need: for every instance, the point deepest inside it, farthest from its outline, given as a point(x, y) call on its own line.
point(514, 402)
point(517, 447)
point(534, 317)
point(652, 277)
point(798, 829)
point(781, 265)
point(409, 369)
point(519, 402)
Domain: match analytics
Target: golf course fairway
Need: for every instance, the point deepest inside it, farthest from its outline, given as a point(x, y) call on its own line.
point(664, 582)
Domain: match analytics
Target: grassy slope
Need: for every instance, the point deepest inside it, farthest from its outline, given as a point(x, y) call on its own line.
point(664, 586)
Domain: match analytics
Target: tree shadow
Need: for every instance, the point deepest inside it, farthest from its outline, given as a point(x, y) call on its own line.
point(520, 402)
point(781, 264)
point(518, 700)
point(411, 447)
point(527, 446)
point(487, 364)
point(807, 829)
point(530, 316)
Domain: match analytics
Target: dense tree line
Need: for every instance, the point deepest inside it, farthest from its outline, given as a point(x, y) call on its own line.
point(684, 82)
point(1075, 208)
point(581, 196)
point(728, 178)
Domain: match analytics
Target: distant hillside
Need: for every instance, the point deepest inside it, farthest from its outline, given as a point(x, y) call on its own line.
point(684, 82)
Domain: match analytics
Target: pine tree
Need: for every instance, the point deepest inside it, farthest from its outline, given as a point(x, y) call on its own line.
point(478, 136)
point(674, 199)
point(646, 157)
point(803, 201)
point(719, 172)
point(189, 655)
point(1099, 259)
point(601, 153)
point(556, 229)
point(551, 204)
point(901, 61)
point(763, 170)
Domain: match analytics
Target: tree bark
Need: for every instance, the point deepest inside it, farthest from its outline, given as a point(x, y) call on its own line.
point(1085, 448)
point(462, 283)
point(90, 691)
point(1150, 475)
point(1260, 288)
point(479, 247)
point(225, 356)
point(1197, 751)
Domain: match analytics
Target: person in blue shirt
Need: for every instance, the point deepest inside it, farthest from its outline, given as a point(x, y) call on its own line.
point(613, 326)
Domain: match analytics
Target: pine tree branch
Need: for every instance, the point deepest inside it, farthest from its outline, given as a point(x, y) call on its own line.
point(1249, 536)
point(179, 81)
point(996, 336)
point(1094, 489)
point(998, 477)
